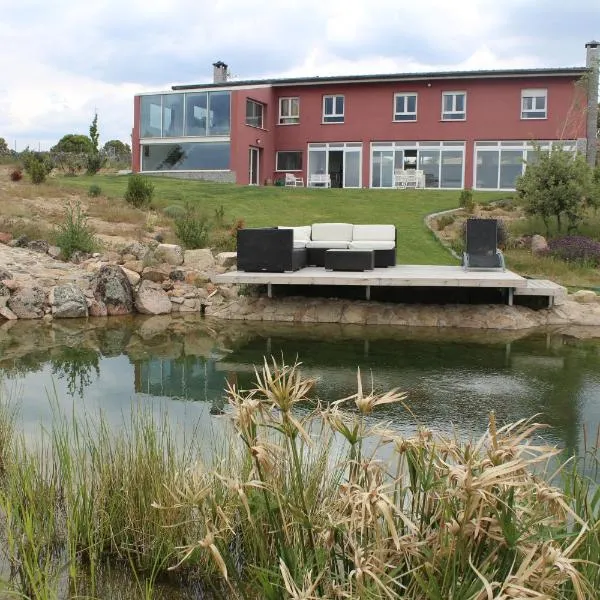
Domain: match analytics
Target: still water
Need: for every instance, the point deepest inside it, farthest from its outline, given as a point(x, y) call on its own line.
point(453, 378)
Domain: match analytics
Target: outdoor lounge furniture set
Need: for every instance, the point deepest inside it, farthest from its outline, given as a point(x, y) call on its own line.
point(337, 246)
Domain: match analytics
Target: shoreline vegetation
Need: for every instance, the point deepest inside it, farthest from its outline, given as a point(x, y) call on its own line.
point(297, 500)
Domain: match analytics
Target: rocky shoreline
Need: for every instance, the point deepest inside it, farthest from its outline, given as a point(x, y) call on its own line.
point(162, 279)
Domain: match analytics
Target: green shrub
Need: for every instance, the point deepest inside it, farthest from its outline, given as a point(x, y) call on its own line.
point(466, 200)
point(93, 163)
point(192, 228)
point(444, 221)
point(139, 191)
point(94, 191)
point(174, 211)
point(37, 171)
point(74, 233)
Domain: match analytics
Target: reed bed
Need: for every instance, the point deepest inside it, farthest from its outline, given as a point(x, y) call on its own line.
point(301, 503)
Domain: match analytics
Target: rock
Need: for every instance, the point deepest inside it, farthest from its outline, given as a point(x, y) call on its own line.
point(39, 246)
point(111, 286)
point(228, 292)
point(54, 252)
point(5, 238)
point(134, 265)
point(136, 250)
point(8, 314)
point(227, 259)
point(585, 296)
point(111, 257)
point(78, 257)
point(20, 242)
point(3, 299)
point(97, 308)
point(4, 274)
point(134, 278)
point(199, 260)
point(190, 305)
point(128, 258)
point(155, 274)
point(67, 302)
point(176, 300)
point(177, 275)
point(539, 245)
point(28, 303)
point(10, 284)
point(172, 254)
point(151, 299)
point(167, 285)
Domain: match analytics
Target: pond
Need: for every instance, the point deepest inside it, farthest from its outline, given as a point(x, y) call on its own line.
point(453, 378)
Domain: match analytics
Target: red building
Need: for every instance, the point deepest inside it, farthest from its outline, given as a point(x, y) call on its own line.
point(462, 129)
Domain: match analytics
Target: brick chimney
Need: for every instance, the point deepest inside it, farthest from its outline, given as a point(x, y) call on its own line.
point(220, 72)
point(592, 62)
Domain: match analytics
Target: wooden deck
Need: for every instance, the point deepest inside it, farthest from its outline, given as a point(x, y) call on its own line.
point(398, 276)
point(555, 293)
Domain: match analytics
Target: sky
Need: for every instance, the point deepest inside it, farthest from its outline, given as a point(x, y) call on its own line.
point(64, 60)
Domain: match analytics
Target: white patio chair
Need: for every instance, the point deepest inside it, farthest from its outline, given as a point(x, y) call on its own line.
point(400, 178)
point(292, 181)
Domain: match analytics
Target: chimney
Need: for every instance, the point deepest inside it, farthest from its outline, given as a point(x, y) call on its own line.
point(592, 62)
point(220, 72)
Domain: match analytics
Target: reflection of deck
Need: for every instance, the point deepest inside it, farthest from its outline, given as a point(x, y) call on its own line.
point(414, 276)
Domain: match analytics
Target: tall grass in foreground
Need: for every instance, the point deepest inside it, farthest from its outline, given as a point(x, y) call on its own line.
point(297, 505)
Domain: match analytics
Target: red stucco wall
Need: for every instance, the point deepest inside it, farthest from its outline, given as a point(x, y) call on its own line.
point(135, 136)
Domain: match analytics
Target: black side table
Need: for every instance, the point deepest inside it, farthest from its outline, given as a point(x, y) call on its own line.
point(349, 259)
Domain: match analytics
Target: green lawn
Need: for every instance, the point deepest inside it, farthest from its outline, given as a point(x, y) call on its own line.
point(266, 206)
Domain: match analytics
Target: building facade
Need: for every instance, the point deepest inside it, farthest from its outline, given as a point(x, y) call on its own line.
point(464, 129)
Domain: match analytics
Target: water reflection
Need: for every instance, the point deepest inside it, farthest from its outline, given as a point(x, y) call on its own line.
point(454, 378)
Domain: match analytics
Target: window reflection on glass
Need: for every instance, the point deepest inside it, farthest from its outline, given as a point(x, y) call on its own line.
point(254, 113)
point(317, 161)
point(452, 168)
point(218, 111)
point(186, 156)
point(151, 117)
point(511, 167)
point(429, 163)
point(488, 162)
point(196, 113)
point(172, 123)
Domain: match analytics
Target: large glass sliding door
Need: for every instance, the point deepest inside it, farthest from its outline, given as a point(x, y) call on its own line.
point(442, 162)
point(342, 161)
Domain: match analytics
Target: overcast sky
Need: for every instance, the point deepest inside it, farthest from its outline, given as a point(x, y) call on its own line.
point(61, 60)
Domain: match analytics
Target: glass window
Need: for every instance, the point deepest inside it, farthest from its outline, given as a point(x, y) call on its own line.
point(429, 163)
point(533, 104)
point(219, 113)
point(289, 111)
point(405, 107)
point(151, 116)
point(486, 176)
point(352, 169)
point(172, 123)
point(196, 113)
point(454, 106)
point(317, 162)
point(288, 161)
point(254, 113)
point(452, 169)
point(333, 109)
point(187, 156)
point(511, 167)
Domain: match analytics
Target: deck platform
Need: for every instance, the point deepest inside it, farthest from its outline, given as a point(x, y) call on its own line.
point(555, 293)
point(398, 276)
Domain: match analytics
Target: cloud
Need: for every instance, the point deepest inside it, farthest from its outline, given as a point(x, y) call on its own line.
point(67, 59)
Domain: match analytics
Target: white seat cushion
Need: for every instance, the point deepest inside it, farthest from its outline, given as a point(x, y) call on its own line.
point(372, 245)
point(333, 244)
point(373, 232)
point(331, 231)
point(301, 234)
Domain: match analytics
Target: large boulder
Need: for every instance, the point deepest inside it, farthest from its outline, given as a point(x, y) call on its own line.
point(156, 274)
point(136, 250)
point(227, 259)
point(151, 299)
point(39, 246)
point(539, 245)
point(28, 303)
point(67, 302)
point(4, 274)
point(5, 237)
point(585, 296)
point(172, 254)
point(134, 278)
point(199, 260)
point(112, 288)
point(8, 314)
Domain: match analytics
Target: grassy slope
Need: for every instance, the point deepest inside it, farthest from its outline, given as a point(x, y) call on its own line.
point(265, 206)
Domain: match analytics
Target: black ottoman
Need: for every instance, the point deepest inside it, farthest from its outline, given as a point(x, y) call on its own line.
point(350, 260)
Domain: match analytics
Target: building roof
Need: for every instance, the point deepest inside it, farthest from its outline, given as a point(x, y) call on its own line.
point(349, 79)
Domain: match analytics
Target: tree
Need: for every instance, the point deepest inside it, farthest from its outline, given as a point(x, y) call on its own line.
point(4, 150)
point(558, 185)
point(116, 148)
point(74, 143)
point(94, 134)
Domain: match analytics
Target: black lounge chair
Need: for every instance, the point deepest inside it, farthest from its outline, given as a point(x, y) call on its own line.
point(268, 249)
point(482, 246)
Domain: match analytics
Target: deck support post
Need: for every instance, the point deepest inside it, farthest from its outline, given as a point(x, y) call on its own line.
point(368, 292)
point(510, 296)
point(269, 290)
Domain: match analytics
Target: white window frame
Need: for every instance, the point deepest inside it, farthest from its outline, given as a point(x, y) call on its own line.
point(286, 119)
point(454, 111)
point(334, 113)
point(405, 112)
point(278, 170)
point(534, 94)
point(262, 114)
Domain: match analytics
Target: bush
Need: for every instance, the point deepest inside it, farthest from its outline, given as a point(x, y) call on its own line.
point(16, 175)
point(444, 221)
point(466, 200)
point(575, 248)
point(192, 228)
point(94, 190)
point(174, 211)
point(93, 163)
point(139, 191)
point(37, 171)
point(75, 234)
